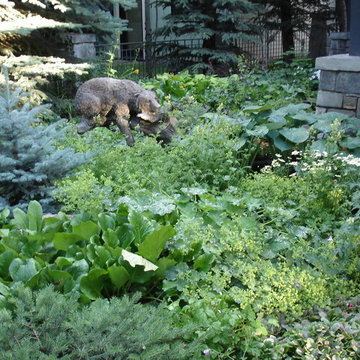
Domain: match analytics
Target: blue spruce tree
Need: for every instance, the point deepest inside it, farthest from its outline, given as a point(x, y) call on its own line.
point(29, 158)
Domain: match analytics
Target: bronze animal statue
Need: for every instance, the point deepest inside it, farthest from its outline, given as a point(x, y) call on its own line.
point(103, 101)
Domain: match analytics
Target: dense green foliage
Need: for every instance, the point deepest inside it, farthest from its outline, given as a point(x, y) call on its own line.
point(256, 264)
point(228, 126)
point(219, 24)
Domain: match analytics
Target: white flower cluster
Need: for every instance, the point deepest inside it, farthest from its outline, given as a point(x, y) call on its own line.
point(349, 160)
point(320, 161)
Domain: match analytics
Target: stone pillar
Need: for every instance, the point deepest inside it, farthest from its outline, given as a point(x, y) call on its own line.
point(339, 43)
point(355, 28)
point(339, 84)
point(84, 45)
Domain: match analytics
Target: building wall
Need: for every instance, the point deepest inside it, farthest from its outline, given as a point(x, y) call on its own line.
point(135, 17)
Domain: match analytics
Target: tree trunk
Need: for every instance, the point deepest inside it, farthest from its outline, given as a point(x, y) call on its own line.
point(287, 29)
point(317, 41)
point(340, 13)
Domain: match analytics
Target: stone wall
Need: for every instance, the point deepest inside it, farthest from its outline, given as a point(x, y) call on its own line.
point(339, 84)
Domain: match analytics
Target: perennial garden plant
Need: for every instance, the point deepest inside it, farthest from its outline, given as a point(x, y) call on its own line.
point(243, 264)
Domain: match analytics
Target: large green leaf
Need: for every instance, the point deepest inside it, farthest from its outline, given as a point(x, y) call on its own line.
point(135, 260)
point(62, 240)
point(32, 221)
point(163, 264)
point(204, 262)
point(319, 146)
point(4, 290)
point(303, 116)
point(118, 275)
point(92, 283)
point(5, 260)
point(78, 269)
point(258, 131)
point(154, 243)
point(59, 277)
point(4, 214)
point(125, 235)
point(85, 230)
point(62, 262)
point(21, 219)
point(282, 144)
point(142, 227)
point(323, 125)
point(102, 256)
point(40, 279)
point(22, 270)
point(110, 238)
point(35, 216)
point(292, 109)
point(275, 122)
point(256, 108)
point(31, 247)
point(351, 142)
point(106, 221)
point(295, 135)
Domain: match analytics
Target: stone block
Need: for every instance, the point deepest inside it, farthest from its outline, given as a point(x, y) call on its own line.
point(329, 99)
point(348, 82)
point(327, 80)
point(83, 38)
point(343, 111)
point(358, 109)
point(350, 102)
point(342, 62)
point(340, 36)
point(84, 51)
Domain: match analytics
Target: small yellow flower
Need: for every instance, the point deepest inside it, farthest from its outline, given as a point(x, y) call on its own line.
point(137, 71)
point(181, 86)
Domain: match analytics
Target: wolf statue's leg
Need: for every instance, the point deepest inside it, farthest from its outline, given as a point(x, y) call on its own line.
point(121, 114)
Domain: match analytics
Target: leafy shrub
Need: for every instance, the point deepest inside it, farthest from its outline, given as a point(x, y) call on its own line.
point(257, 86)
point(48, 325)
point(211, 155)
point(331, 332)
point(100, 255)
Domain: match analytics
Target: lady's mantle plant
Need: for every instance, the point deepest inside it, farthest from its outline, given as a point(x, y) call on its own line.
point(29, 158)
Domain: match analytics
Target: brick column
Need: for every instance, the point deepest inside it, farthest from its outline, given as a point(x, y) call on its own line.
point(339, 84)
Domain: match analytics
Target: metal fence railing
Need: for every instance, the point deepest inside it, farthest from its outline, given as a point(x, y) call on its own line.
point(152, 58)
point(269, 46)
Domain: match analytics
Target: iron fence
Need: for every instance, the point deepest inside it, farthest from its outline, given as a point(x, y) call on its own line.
point(151, 58)
point(268, 47)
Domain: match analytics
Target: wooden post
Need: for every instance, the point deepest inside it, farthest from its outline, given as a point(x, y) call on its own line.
point(355, 27)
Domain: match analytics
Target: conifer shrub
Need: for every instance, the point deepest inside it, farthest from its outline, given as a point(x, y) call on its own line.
point(48, 325)
point(30, 158)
